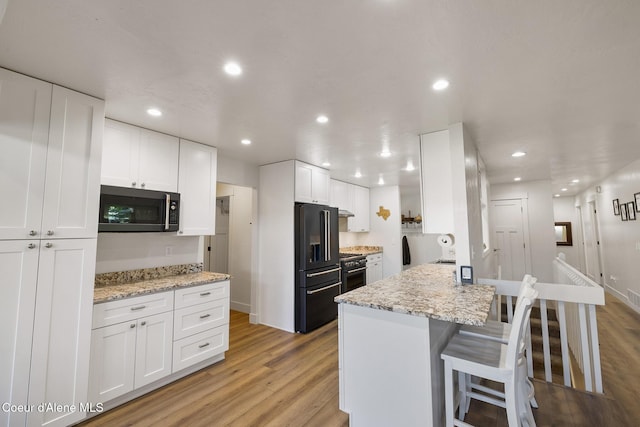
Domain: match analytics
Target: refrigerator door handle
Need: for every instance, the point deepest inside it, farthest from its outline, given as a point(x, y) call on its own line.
point(323, 289)
point(323, 272)
point(327, 236)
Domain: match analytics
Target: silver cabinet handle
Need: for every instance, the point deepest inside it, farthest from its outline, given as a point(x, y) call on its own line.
point(357, 269)
point(203, 345)
point(204, 294)
point(33, 233)
point(142, 185)
point(133, 184)
point(31, 245)
point(167, 208)
point(324, 272)
point(204, 316)
point(133, 325)
point(50, 233)
point(324, 289)
point(140, 307)
point(48, 245)
point(143, 323)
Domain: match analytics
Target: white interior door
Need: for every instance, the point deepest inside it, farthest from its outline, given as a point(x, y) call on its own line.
point(510, 238)
point(591, 245)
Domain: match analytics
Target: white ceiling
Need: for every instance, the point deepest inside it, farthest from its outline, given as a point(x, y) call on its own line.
point(557, 79)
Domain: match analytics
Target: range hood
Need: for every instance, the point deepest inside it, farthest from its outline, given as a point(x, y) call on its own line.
point(343, 213)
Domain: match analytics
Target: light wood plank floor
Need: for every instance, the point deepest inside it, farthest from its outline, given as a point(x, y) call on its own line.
point(273, 378)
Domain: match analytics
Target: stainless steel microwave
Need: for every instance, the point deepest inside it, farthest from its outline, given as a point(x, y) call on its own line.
point(133, 210)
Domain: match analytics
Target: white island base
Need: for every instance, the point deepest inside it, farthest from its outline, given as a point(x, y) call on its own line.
point(391, 373)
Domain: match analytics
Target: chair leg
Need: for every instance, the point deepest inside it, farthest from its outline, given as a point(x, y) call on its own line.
point(448, 394)
point(511, 392)
point(463, 388)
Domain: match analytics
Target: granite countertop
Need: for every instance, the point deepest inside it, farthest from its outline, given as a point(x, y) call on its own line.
point(125, 284)
point(428, 291)
point(363, 250)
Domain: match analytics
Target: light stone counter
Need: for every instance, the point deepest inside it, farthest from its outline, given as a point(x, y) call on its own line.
point(362, 250)
point(391, 334)
point(426, 290)
point(106, 290)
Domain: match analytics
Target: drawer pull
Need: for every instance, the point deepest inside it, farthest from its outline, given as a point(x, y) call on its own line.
point(203, 345)
point(204, 316)
point(133, 325)
point(140, 307)
point(204, 294)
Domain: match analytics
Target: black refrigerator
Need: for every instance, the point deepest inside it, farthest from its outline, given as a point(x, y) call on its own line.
point(317, 265)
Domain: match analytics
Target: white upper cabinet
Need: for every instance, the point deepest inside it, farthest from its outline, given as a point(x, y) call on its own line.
point(311, 184)
point(72, 185)
point(139, 158)
point(339, 192)
point(197, 188)
point(360, 221)
point(50, 134)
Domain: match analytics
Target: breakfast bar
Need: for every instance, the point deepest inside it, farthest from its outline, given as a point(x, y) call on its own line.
point(391, 334)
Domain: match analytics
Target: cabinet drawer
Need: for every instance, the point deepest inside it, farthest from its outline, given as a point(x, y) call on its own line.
point(112, 312)
point(186, 297)
point(374, 258)
point(198, 318)
point(196, 348)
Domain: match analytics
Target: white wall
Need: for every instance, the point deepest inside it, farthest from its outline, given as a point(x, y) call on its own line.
point(541, 223)
point(564, 210)
point(619, 241)
point(233, 171)
point(423, 248)
point(132, 251)
point(386, 233)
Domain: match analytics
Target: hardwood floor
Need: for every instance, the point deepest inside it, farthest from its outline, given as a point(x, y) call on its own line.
point(273, 378)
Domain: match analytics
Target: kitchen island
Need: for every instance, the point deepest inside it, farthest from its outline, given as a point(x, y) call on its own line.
point(391, 334)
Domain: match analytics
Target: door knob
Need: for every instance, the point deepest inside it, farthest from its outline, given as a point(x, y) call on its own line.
point(48, 245)
point(50, 233)
point(32, 233)
point(31, 245)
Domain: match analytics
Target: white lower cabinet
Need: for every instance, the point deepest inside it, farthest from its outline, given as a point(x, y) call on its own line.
point(374, 268)
point(133, 352)
point(140, 340)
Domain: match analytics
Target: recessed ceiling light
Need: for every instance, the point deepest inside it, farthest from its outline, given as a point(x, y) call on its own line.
point(154, 112)
point(563, 189)
point(440, 84)
point(380, 181)
point(385, 153)
point(556, 195)
point(246, 141)
point(575, 181)
point(519, 154)
point(322, 119)
point(517, 178)
point(326, 164)
point(232, 68)
point(410, 166)
point(358, 174)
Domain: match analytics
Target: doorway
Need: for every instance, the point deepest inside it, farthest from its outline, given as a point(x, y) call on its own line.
point(592, 244)
point(511, 237)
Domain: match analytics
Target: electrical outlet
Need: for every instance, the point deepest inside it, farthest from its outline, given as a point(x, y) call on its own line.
point(168, 250)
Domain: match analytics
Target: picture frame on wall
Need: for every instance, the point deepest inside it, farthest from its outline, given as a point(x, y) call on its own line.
point(616, 206)
point(636, 198)
point(624, 212)
point(631, 207)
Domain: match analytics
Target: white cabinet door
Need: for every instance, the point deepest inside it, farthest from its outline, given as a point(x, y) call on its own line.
point(154, 347)
point(72, 188)
point(197, 187)
point(62, 328)
point(311, 184)
point(120, 154)
point(339, 195)
point(24, 129)
point(374, 268)
point(360, 221)
point(139, 158)
point(113, 352)
point(158, 162)
point(19, 272)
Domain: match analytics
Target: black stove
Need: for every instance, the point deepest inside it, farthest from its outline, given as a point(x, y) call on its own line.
point(354, 271)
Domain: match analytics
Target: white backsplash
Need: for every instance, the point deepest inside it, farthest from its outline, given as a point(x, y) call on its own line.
point(132, 251)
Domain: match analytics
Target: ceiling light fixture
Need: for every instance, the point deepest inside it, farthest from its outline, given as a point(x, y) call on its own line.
point(246, 142)
point(326, 164)
point(441, 84)
point(563, 189)
point(154, 112)
point(232, 68)
point(517, 178)
point(358, 174)
point(575, 181)
point(519, 154)
point(380, 181)
point(322, 119)
point(385, 153)
point(410, 166)
point(556, 195)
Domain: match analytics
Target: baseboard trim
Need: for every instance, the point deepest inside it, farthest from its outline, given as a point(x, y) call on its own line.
point(622, 297)
point(240, 306)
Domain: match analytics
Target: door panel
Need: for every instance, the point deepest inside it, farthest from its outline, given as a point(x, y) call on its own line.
point(509, 238)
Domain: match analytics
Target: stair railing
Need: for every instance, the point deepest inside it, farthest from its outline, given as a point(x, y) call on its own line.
point(574, 296)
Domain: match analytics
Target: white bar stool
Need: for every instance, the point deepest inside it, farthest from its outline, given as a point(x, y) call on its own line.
point(500, 331)
point(494, 361)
